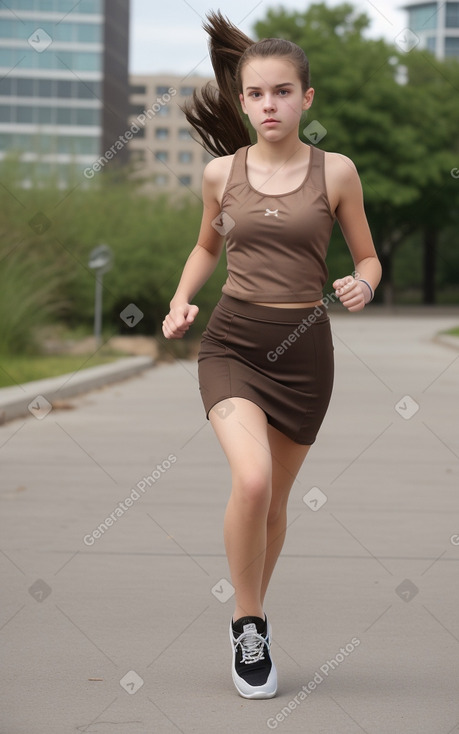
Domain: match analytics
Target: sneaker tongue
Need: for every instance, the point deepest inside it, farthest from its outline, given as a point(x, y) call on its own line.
point(254, 624)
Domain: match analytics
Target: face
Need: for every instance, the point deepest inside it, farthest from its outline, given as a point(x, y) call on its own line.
point(272, 96)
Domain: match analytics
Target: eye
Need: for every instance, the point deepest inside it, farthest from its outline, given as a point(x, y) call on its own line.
point(283, 92)
point(253, 94)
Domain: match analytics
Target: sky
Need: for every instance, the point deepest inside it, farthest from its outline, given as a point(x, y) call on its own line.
point(171, 39)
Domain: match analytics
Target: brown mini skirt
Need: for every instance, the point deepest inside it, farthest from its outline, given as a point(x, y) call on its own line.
point(279, 358)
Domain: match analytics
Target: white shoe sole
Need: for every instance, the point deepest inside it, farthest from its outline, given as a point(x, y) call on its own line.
point(268, 690)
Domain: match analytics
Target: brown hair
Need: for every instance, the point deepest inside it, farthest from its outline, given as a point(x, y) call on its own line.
point(215, 114)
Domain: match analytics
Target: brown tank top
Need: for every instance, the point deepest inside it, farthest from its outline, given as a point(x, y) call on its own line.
point(276, 244)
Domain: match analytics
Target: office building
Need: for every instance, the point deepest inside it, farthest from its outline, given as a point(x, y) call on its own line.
point(436, 24)
point(163, 150)
point(64, 84)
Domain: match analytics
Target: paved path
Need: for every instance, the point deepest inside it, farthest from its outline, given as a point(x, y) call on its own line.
point(124, 629)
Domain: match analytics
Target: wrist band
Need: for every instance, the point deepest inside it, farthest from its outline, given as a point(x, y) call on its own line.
point(372, 295)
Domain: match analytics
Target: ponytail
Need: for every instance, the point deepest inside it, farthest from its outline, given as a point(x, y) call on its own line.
point(215, 114)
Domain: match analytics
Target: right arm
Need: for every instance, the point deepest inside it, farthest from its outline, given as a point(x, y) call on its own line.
point(202, 260)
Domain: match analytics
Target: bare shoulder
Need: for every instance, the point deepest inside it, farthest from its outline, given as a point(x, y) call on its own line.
point(218, 168)
point(340, 166)
point(342, 179)
point(216, 175)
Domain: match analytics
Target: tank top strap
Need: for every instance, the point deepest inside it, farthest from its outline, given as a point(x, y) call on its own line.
point(238, 173)
point(316, 176)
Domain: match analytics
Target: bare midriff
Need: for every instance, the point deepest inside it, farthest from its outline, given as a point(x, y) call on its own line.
point(302, 304)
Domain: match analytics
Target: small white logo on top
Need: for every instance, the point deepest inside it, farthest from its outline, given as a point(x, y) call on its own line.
point(274, 212)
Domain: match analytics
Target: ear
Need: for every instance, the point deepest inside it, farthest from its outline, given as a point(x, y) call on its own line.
point(241, 100)
point(308, 98)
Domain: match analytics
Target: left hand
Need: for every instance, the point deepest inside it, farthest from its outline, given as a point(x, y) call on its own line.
point(351, 293)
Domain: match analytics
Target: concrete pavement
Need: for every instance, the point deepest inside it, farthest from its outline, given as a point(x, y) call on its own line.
point(115, 589)
point(20, 400)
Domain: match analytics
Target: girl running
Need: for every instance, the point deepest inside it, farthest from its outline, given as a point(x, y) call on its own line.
point(265, 363)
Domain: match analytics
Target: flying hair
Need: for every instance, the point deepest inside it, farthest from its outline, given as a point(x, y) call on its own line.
point(215, 113)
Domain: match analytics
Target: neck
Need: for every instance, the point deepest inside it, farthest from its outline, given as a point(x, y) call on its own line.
point(278, 152)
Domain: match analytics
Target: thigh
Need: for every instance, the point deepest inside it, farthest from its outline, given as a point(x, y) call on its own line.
point(242, 429)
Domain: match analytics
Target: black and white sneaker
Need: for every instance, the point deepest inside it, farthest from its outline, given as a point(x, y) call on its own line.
point(254, 673)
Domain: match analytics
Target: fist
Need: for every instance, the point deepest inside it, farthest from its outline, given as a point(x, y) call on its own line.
point(351, 292)
point(179, 320)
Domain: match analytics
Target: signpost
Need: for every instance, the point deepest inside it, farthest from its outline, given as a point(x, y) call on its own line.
point(101, 261)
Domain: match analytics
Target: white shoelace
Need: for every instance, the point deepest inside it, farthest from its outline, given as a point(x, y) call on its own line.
point(252, 645)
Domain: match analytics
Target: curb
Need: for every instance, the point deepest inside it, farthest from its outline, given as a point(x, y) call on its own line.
point(15, 401)
point(447, 341)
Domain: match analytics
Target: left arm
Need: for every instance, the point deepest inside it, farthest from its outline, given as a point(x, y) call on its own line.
point(347, 191)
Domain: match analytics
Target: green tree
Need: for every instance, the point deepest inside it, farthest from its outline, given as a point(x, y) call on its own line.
point(401, 136)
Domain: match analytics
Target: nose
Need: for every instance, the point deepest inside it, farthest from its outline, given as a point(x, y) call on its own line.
point(269, 103)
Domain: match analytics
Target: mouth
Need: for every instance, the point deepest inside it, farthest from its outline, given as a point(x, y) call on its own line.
point(270, 121)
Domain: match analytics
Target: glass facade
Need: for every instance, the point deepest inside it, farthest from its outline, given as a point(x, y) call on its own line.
point(58, 6)
point(437, 25)
point(423, 17)
point(452, 15)
point(452, 47)
point(53, 78)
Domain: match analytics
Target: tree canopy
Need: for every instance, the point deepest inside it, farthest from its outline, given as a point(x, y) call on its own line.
point(393, 112)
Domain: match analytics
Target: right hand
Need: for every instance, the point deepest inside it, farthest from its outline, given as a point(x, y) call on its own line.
point(179, 320)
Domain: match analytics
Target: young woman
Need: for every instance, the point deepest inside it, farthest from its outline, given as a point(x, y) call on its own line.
point(266, 357)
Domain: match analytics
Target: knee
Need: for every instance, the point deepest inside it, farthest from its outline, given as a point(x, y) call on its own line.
point(253, 490)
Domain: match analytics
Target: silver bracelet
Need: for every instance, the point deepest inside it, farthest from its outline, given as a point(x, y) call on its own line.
point(372, 295)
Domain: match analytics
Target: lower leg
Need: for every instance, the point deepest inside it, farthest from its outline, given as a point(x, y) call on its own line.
point(287, 458)
point(275, 536)
point(245, 541)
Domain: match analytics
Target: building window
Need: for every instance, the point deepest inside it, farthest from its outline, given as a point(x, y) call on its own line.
point(88, 32)
point(46, 88)
point(431, 43)
point(161, 133)
point(184, 134)
point(161, 179)
point(138, 89)
point(24, 114)
point(185, 156)
point(50, 143)
point(6, 86)
point(163, 112)
point(64, 89)
point(45, 115)
point(162, 155)
point(423, 17)
point(136, 109)
point(25, 87)
point(87, 116)
point(162, 90)
point(452, 47)
point(64, 116)
point(452, 15)
point(88, 90)
point(92, 7)
point(186, 91)
point(185, 180)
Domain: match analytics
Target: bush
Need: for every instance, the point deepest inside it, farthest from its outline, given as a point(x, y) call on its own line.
point(29, 299)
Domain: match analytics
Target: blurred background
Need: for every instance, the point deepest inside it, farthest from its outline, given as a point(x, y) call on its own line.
point(95, 150)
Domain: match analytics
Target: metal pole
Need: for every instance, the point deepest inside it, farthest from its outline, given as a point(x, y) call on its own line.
point(98, 310)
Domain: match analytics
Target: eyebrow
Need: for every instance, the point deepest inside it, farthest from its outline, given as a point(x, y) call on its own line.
point(276, 86)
